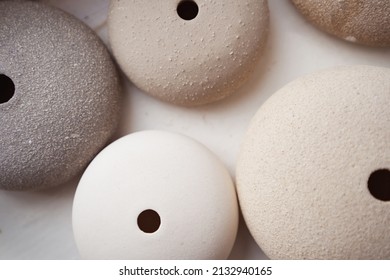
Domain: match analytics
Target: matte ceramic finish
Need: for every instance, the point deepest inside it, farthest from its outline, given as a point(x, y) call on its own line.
point(188, 62)
point(305, 162)
point(66, 101)
point(171, 174)
point(357, 21)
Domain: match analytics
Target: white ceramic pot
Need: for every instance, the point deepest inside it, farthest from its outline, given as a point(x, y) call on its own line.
point(155, 195)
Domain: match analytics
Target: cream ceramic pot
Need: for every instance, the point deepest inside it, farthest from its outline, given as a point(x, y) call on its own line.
point(188, 52)
point(313, 175)
point(362, 22)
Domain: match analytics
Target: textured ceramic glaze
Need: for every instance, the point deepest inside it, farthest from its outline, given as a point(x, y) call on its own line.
point(188, 195)
point(188, 62)
point(64, 103)
point(357, 21)
point(306, 164)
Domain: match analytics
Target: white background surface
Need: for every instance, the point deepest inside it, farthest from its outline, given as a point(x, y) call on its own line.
point(38, 225)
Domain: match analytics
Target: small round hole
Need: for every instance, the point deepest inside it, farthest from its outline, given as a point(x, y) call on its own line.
point(379, 184)
point(187, 9)
point(7, 88)
point(149, 221)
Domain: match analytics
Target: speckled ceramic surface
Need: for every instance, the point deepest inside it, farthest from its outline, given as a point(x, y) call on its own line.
point(188, 61)
point(313, 173)
point(64, 104)
point(357, 21)
point(37, 225)
point(155, 195)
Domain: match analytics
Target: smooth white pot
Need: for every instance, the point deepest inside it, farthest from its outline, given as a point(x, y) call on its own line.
point(195, 211)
